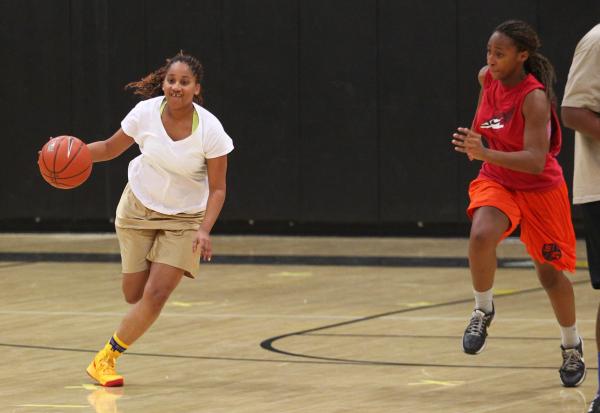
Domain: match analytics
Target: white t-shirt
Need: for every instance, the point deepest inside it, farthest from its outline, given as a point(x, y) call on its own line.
point(171, 176)
point(583, 91)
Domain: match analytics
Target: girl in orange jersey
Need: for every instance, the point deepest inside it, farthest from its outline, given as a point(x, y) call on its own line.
point(520, 183)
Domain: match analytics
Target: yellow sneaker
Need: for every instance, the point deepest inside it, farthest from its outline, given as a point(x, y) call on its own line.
point(102, 369)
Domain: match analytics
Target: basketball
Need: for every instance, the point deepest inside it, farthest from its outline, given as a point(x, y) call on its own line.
point(65, 162)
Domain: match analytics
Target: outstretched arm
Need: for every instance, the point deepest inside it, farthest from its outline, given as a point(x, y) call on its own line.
point(111, 147)
point(582, 120)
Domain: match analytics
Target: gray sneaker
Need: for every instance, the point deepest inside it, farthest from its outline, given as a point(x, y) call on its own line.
point(572, 371)
point(595, 405)
point(476, 332)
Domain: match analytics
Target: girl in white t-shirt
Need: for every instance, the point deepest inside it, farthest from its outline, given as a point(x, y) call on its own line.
point(175, 193)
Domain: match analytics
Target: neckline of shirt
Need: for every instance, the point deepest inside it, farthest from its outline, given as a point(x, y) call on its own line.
point(164, 130)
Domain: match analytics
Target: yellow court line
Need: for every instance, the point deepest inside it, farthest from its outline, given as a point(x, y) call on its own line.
point(504, 292)
point(188, 304)
point(418, 304)
point(85, 386)
point(55, 406)
point(291, 274)
point(437, 383)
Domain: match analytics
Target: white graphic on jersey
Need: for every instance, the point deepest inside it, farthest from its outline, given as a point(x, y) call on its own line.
point(495, 123)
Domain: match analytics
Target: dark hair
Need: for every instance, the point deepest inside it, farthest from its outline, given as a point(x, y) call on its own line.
point(525, 38)
point(151, 85)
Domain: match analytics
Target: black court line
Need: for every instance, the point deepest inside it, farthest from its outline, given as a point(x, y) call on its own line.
point(421, 337)
point(29, 257)
point(164, 355)
point(14, 264)
point(268, 344)
point(59, 257)
point(284, 361)
point(308, 359)
point(316, 260)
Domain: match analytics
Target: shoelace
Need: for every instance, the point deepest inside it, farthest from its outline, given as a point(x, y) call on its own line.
point(572, 359)
point(107, 366)
point(477, 323)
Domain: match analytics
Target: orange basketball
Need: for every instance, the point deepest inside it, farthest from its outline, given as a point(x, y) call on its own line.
point(65, 162)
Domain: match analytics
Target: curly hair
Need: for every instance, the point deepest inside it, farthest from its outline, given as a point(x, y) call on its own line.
point(151, 84)
point(525, 38)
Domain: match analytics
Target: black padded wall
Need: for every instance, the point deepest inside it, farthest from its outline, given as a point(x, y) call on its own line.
point(260, 108)
point(341, 111)
point(338, 118)
point(418, 94)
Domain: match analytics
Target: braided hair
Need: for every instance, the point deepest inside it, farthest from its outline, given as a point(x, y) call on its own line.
point(151, 84)
point(525, 38)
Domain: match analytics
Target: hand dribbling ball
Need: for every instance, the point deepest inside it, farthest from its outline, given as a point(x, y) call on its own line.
point(65, 162)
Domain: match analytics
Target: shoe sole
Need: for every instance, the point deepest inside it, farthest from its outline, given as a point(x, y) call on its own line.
point(579, 382)
point(474, 353)
point(112, 383)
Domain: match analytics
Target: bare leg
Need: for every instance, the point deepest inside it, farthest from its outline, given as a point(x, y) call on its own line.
point(560, 292)
point(489, 224)
point(162, 280)
point(133, 285)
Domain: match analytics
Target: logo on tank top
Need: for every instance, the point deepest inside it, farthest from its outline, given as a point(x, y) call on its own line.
point(498, 120)
point(551, 252)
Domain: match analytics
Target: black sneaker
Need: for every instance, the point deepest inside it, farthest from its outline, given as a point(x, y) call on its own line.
point(595, 406)
point(476, 332)
point(572, 371)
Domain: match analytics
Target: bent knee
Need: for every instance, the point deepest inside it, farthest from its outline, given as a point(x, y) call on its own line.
point(133, 286)
point(132, 297)
point(156, 296)
point(484, 237)
point(550, 278)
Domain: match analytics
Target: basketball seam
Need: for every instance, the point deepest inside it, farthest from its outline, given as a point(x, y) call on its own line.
point(54, 161)
point(52, 175)
point(73, 176)
point(71, 159)
point(44, 161)
point(66, 177)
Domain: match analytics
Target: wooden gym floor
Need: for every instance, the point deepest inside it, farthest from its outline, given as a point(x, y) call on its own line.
point(286, 324)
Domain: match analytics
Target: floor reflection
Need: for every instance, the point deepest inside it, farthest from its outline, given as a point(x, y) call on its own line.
point(104, 399)
point(572, 401)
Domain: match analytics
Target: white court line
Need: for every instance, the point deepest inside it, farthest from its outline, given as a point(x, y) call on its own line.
point(273, 316)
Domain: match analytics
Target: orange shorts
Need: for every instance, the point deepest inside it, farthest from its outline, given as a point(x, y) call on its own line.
point(544, 216)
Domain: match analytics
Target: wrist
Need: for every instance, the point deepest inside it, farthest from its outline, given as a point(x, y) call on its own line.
point(484, 154)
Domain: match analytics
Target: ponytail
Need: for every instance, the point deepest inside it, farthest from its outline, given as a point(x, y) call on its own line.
point(151, 85)
point(526, 39)
point(540, 67)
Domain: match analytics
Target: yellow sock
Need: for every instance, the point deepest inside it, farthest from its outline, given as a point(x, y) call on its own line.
point(115, 346)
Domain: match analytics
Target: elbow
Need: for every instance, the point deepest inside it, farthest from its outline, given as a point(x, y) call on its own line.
point(538, 170)
point(538, 167)
point(219, 192)
point(566, 118)
point(569, 117)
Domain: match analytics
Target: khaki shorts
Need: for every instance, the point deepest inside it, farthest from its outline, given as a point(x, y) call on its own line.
point(148, 236)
